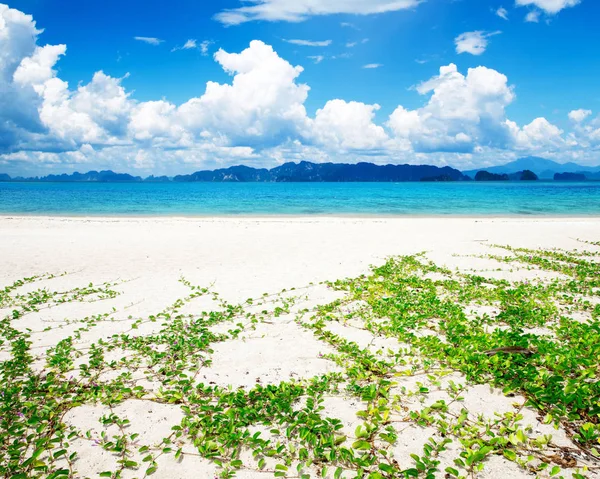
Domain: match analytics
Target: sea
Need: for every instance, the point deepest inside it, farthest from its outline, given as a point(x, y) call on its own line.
point(541, 198)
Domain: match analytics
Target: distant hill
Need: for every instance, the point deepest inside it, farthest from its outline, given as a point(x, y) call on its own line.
point(157, 179)
point(523, 169)
point(327, 172)
point(543, 168)
point(487, 176)
point(289, 172)
point(106, 176)
point(95, 176)
point(233, 174)
point(569, 177)
point(526, 175)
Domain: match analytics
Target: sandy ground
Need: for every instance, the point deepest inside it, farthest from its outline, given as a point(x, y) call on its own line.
point(243, 258)
point(247, 257)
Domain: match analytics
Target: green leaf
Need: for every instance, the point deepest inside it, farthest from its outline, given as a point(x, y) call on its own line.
point(510, 454)
point(361, 445)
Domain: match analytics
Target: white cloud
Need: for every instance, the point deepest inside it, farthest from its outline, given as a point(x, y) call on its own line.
point(540, 134)
point(579, 115)
point(237, 111)
point(372, 66)
point(38, 68)
point(348, 126)
point(149, 40)
point(463, 111)
point(192, 44)
point(551, 7)
point(502, 13)
point(204, 46)
point(474, 43)
point(258, 116)
point(309, 43)
point(317, 58)
point(353, 44)
point(154, 119)
point(533, 16)
point(300, 10)
point(19, 117)
point(95, 113)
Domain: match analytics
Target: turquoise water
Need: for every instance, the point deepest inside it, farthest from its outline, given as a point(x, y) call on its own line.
point(201, 199)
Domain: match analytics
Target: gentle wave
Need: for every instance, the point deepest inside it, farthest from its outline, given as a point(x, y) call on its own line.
point(304, 199)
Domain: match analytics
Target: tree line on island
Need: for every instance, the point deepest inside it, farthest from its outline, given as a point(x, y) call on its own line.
point(524, 169)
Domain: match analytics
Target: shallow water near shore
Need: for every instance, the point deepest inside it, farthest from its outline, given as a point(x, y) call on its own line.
point(210, 199)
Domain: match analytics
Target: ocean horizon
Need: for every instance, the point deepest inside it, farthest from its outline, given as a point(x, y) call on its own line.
point(542, 198)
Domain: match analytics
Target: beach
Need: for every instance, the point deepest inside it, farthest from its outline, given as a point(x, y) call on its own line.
point(148, 264)
point(245, 257)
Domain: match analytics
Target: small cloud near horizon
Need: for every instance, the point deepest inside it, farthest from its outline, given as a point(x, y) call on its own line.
point(309, 43)
point(149, 40)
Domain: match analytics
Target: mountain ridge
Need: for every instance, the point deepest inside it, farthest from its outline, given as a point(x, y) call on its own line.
point(306, 171)
point(542, 167)
point(288, 172)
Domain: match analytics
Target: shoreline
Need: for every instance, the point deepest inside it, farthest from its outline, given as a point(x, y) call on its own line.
point(299, 217)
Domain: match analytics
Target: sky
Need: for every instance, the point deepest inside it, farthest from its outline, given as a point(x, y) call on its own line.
point(154, 87)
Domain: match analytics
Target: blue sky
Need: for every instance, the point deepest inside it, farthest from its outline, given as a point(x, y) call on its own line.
point(540, 56)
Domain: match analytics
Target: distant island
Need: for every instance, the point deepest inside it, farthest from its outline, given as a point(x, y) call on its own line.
point(526, 175)
point(523, 169)
point(544, 169)
point(569, 177)
point(289, 172)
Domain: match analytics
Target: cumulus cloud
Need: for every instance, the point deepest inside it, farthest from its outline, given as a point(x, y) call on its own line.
point(348, 126)
point(300, 10)
point(259, 116)
point(579, 115)
point(19, 118)
point(309, 43)
point(38, 68)
point(550, 7)
point(236, 110)
point(474, 43)
point(533, 16)
point(540, 134)
point(462, 112)
point(149, 40)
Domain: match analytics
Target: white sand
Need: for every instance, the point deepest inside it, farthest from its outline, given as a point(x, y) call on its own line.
point(244, 258)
